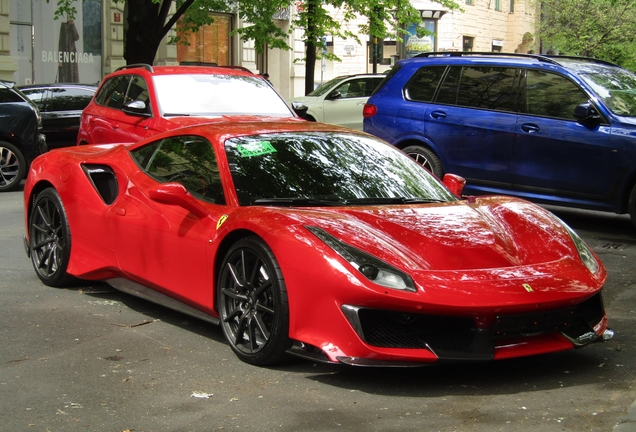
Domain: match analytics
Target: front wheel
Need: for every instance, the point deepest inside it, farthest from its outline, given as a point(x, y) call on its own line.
point(50, 239)
point(252, 303)
point(426, 158)
point(12, 166)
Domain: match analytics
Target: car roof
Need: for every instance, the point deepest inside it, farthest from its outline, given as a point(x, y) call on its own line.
point(58, 85)
point(228, 127)
point(183, 70)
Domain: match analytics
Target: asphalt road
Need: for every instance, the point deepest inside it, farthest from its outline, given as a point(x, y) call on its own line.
point(90, 358)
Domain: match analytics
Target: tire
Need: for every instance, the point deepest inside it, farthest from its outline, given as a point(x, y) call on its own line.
point(12, 167)
point(426, 158)
point(631, 205)
point(50, 239)
point(252, 303)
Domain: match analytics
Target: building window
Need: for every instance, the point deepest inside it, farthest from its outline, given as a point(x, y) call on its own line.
point(470, 2)
point(210, 44)
point(468, 43)
point(512, 6)
point(498, 5)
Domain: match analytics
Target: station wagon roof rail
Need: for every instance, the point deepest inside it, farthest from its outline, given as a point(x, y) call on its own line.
point(136, 65)
point(549, 59)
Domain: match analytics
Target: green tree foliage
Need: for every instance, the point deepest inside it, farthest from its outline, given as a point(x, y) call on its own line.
point(605, 29)
point(149, 21)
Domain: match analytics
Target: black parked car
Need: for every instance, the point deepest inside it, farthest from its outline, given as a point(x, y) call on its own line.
point(61, 106)
point(21, 138)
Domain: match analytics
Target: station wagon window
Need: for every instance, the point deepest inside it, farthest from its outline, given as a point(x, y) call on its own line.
point(37, 96)
point(552, 95)
point(480, 87)
point(422, 86)
point(69, 99)
point(188, 160)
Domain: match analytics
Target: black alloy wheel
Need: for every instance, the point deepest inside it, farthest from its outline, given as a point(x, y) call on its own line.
point(50, 239)
point(12, 167)
point(426, 158)
point(252, 303)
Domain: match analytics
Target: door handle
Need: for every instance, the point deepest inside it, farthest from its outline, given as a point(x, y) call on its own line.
point(529, 127)
point(438, 114)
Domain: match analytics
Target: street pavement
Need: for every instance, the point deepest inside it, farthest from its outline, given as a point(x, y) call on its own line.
point(89, 358)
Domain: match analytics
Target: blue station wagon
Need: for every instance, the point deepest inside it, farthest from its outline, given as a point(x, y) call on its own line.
point(551, 129)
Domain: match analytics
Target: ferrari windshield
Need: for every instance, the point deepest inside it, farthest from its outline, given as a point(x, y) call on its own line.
point(216, 95)
point(327, 168)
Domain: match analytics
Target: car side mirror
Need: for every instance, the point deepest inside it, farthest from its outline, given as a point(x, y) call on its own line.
point(136, 108)
point(455, 184)
point(177, 194)
point(334, 95)
point(586, 112)
point(300, 109)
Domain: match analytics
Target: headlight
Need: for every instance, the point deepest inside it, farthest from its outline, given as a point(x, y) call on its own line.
point(585, 253)
point(374, 269)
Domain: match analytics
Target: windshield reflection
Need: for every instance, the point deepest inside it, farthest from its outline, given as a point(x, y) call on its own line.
point(215, 95)
point(616, 87)
point(314, 168)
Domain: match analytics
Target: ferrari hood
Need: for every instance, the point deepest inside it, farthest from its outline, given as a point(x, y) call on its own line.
point(484, 234)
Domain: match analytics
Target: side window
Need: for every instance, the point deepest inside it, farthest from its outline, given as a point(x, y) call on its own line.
point(352, 88)
point(188, 160)
point(113, 91)
point(38, 96)
point(552, 95)
point(69, 99)
point(7, 95)
point(490, 88)
point(422, 86)
point(372, 84)
point(138, 91)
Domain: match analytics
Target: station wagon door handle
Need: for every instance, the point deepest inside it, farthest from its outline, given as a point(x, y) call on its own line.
point(529, 127)
point(438, 114)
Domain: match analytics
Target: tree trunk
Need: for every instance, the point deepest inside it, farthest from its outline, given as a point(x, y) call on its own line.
point(310, 45)
point(143, 32)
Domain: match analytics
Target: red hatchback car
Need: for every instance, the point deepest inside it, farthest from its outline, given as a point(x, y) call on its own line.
point(139, 101)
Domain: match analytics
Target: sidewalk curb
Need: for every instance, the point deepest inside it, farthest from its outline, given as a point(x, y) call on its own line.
point(628, 424)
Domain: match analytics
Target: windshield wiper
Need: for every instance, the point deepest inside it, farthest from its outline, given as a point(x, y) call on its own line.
point(391, 200)
point(176, 115)
point(309, 202)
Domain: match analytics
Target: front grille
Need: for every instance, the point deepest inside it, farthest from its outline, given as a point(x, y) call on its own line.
point(459, 337)
point(576, 319)
point(393, 329)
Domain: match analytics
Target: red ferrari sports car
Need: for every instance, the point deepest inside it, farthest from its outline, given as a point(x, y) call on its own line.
point(310, 239)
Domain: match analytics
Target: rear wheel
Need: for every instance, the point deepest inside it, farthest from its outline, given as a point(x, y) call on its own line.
point(426, 158)
point(252, 303)
point(12, 166)
point(50, 239)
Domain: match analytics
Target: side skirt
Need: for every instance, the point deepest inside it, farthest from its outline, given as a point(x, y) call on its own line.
point(133, 288)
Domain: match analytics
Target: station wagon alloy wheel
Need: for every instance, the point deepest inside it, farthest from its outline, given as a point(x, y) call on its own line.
point(253, 303)
point(12, 166)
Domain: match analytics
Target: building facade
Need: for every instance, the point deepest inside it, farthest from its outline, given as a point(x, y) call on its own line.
point(37, 48)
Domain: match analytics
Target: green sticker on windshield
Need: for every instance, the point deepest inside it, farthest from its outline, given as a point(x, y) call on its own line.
point(256, 148)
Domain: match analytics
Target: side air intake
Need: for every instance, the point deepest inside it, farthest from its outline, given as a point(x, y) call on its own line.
point(104, 180)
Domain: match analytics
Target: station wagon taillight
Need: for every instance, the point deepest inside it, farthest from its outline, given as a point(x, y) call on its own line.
point(369, 110)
